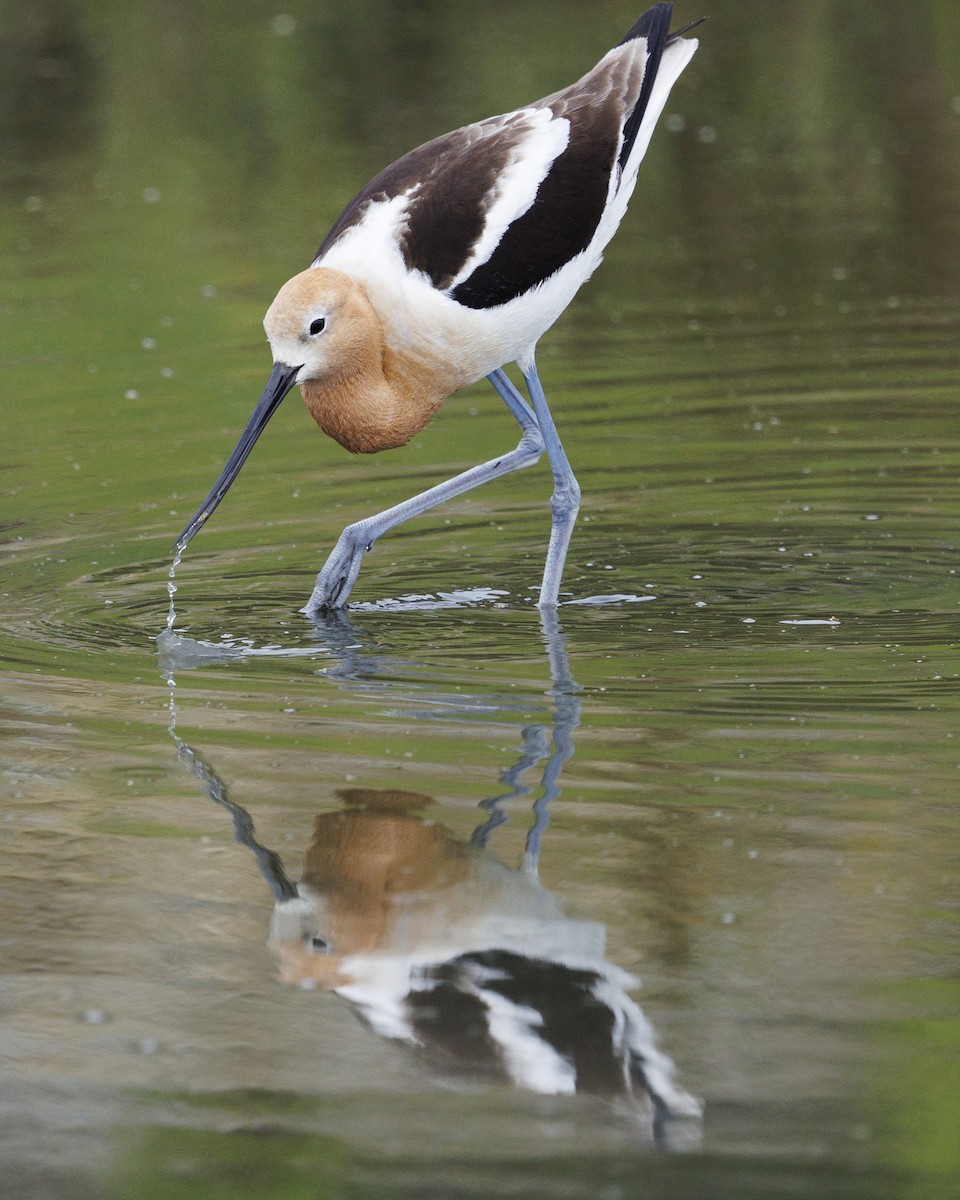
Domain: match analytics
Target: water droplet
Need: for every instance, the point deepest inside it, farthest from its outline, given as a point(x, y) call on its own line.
point(283, 24)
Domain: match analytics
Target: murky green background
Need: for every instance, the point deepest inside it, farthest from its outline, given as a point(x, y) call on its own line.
point(759, 394)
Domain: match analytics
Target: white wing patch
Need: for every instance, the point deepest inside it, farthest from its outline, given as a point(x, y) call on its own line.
point(545, 138)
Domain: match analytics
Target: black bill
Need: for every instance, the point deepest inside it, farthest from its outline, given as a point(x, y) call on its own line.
point(282, 379)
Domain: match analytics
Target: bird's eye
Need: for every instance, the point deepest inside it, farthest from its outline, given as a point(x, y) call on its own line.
point(316, 943)
point(318, 326)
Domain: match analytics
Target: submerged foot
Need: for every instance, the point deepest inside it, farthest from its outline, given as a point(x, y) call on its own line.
point(339, 573)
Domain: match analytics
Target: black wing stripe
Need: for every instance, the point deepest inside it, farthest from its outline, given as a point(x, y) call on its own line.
point(450, 207)
point(451, 181)
point(561, 222)
point(572, 198)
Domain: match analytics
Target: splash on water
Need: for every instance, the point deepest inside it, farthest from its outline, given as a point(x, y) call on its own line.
point(427, 602)
point(832, 621)
point(615, 598)
point(172, 588)
point(179, 653)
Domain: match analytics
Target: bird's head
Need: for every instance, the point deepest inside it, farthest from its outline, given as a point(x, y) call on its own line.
point(320, 326)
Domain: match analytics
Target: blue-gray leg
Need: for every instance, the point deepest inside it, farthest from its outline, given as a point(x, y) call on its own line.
point(565, 501)
point(522, 412)
point(341, 569)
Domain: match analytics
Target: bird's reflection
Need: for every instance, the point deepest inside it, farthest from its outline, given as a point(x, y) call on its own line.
point(437, 943)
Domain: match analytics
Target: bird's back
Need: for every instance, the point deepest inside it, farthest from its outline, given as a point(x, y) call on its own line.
point(491, 214)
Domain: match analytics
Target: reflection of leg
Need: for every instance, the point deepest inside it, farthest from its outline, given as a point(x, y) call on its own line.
point(566, 717)
point(536, 747)
point(530, 863)
point(352, 661)
point(550, 790)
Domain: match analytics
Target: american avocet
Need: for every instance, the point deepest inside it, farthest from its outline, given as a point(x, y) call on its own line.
point(452, 263)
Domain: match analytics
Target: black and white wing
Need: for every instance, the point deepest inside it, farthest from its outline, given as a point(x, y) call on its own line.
point(490, 211)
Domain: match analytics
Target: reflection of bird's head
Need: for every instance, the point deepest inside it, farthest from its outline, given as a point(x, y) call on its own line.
point(362, 869)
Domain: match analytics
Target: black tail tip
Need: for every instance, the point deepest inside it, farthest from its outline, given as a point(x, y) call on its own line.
point(654, 25)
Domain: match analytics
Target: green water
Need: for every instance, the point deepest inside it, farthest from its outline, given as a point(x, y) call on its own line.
point(745, 722)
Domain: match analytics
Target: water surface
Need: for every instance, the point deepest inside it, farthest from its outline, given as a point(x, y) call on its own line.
point(737, 749)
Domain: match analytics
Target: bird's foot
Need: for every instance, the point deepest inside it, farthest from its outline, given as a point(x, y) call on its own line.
point(339, 573)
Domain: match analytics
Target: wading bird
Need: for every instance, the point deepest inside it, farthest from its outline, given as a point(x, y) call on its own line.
point(450, 264)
